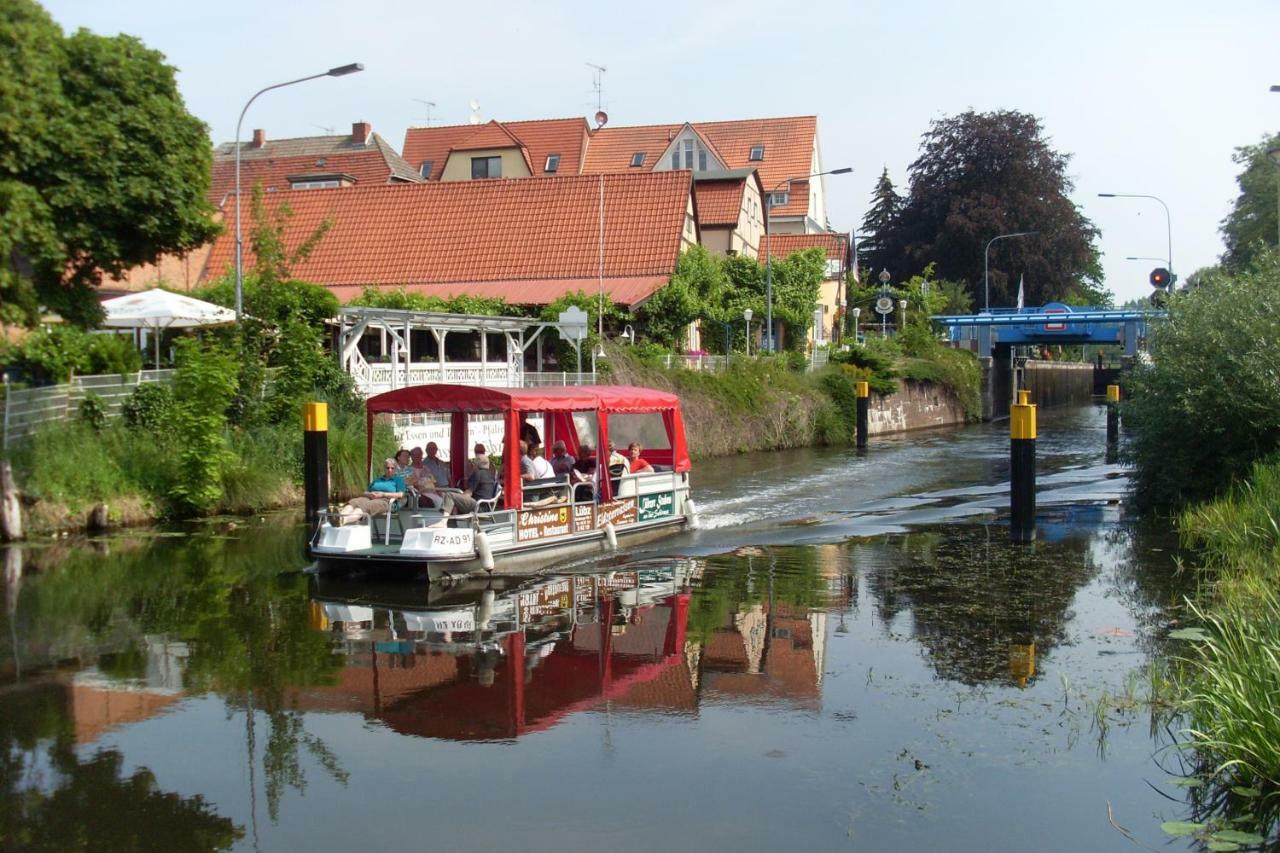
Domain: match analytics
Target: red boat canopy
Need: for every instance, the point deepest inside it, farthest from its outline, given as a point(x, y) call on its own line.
point(466, 398)
point(514, 403)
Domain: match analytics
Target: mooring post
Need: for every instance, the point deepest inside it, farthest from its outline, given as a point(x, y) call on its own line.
point(315, 461)
point(1022, 469)
point(1113, 414)
point(863, 390)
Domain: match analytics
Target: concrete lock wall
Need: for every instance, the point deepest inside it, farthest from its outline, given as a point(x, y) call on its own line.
point(915, 405)
point(1058, 383)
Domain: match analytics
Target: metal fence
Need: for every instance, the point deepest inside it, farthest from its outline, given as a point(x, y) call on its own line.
point(27, 408)
point(543, 379)
point(709, 363)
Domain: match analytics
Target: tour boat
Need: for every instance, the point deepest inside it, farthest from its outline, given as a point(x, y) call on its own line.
point(531, 524)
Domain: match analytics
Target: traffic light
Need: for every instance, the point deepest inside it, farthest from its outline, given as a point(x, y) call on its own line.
point(1160, 277)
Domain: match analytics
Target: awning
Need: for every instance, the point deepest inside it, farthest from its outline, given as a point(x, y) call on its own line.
point(467, 398)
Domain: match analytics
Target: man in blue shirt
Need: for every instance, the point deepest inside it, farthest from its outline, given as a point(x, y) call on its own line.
point(377, 500)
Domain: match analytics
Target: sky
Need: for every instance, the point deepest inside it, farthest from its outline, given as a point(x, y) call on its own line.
point(1147, 97)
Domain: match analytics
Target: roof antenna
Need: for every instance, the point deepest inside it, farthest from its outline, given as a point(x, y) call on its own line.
point(430, 106)
point(597, 83)
point(328, 131)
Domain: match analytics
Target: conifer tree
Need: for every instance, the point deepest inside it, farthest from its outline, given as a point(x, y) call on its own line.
point(877, 225)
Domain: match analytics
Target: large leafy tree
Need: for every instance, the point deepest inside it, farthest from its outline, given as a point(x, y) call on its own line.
point(101, 166)
point(1251, 224)
point(878, 225)
point(984, 174)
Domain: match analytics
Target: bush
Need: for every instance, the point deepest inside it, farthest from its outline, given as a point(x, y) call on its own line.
point(149, 407)
point(92, 411)
point(53, 353)
point(1208, 405)
point(69, 463)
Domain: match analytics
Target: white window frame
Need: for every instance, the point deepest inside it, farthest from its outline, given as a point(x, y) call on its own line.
point(778, 199)
point(552, 165)
point(751, 155)
point(637, 159)
point(314, 185)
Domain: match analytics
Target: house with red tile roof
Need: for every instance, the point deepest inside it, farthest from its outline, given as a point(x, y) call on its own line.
point(784, 151)
point(310, 162)
point(529, 242)
point(730, 211)
point(831, 294)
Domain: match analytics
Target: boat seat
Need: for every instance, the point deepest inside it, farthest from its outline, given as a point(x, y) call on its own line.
point(489, 504)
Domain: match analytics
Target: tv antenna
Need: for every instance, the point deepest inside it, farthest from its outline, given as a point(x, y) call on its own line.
point(597, 83)
point(328, 131)
point(430, 105)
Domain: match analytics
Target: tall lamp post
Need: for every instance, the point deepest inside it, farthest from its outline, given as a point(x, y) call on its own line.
point(340, 71)
point(768, 255)
point(986, 267)
point(746, 315)
point(1168, 223)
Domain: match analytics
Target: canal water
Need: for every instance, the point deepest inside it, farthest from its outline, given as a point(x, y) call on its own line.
point(847, 655)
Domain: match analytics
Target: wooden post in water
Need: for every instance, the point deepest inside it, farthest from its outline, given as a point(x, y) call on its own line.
point(863, 390)
point(1022, 469)
point(1113, 415)
point(315, 462)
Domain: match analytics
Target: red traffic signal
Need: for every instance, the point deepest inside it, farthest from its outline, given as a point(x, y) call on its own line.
point(1160, 277)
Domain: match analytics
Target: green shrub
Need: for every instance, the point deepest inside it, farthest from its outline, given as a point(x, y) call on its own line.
point(149, 407)
point(92, 411)
point(110, 353)
point(71, 463)
point(204, 385)
point(1208, 405)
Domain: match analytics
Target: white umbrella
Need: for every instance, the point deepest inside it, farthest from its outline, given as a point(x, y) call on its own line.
point(158, 309)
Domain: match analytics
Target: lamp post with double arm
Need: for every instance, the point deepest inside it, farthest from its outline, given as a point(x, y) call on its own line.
point(1168, 224)
point(768, 255)
point(340, 71)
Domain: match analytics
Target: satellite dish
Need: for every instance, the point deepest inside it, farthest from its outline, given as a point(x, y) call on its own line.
point(475, 112)
point(602, 118)
point(475, 105)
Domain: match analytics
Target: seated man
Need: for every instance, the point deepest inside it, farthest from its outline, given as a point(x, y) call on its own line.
point(481, 486)
point(377, 500)
point(562, 462)
point(541, 467)
point(438, 467)
point(479, 450)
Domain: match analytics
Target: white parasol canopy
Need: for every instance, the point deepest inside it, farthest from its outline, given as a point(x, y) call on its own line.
point(158, 309)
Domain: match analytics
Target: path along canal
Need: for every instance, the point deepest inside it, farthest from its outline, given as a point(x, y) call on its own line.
point(849, 655)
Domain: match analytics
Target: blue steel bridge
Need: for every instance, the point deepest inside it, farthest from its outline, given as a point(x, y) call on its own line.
point(1054, 323)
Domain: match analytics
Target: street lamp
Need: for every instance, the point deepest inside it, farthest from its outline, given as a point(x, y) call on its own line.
point(768, 255)
point(857, 313)
point(340, 71)
point(746, 315)
point(986, 268)
point(884, 285)
point(902, 314)
point(1168, 221)
point(1164, 261)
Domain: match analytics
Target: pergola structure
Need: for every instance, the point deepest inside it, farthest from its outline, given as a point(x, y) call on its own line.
point(401, 361)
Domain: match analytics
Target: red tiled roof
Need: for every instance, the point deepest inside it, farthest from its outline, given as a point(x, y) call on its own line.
point(719, 202)
point(526, 240)
point(629, 291)
point(274, 162)
point(565, 136)
point(788, 150)
point(782, 245)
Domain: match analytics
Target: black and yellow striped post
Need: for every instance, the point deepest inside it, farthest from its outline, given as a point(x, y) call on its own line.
point(315, 461)
point(863, 391)
point(1113, 414)
point(1022, 469)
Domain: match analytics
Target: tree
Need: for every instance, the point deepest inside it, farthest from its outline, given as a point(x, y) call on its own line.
point(697, 291)
point(984, 174)
point(101, 166)
point(878, 224)
point(1251, 224)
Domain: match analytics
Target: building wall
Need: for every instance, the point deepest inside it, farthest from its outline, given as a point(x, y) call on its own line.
point(458, 168)
point(829, 298)
point(689, 237)
point(719, 240)
point(786, 226)
point(750, 232)
point(915, 405)
point(817, 193)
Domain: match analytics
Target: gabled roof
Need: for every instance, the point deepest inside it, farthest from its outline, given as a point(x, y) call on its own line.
point(373, 163)
point(835, 245)
point(526, 240)
point(788, 150)
point(719, 195)
point(565, 136)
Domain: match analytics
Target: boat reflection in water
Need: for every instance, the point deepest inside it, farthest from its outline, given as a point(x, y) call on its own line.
point(484, 661)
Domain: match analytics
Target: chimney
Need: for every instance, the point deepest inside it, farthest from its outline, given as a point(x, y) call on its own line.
point(259, 138)
point(360, 132)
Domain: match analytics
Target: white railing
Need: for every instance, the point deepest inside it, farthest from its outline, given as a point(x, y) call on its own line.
point(539, 380)
point(710, 363)
point(27, 408)
point(378, 376)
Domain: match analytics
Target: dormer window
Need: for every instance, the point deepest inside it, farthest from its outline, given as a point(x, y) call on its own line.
point(553, 163)
point(637, 160)
point(778, 199)
point(486, 167)
point(757, 153)
point(688, 152)
point(425, 168)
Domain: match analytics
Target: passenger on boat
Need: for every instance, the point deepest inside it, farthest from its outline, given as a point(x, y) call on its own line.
point(541, 467)
point(377, 500)
point(481, 486)
point(479, 450)
point(638, 465)
point(562, 462)
point(438, 467)
point(529, 434)
point(616, 458)
point(404, 464)
point(526, 461)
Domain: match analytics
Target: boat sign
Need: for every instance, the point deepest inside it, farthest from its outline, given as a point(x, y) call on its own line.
point(438, 542)
point(653, 507)
point(541, 523)
point(619, 512)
